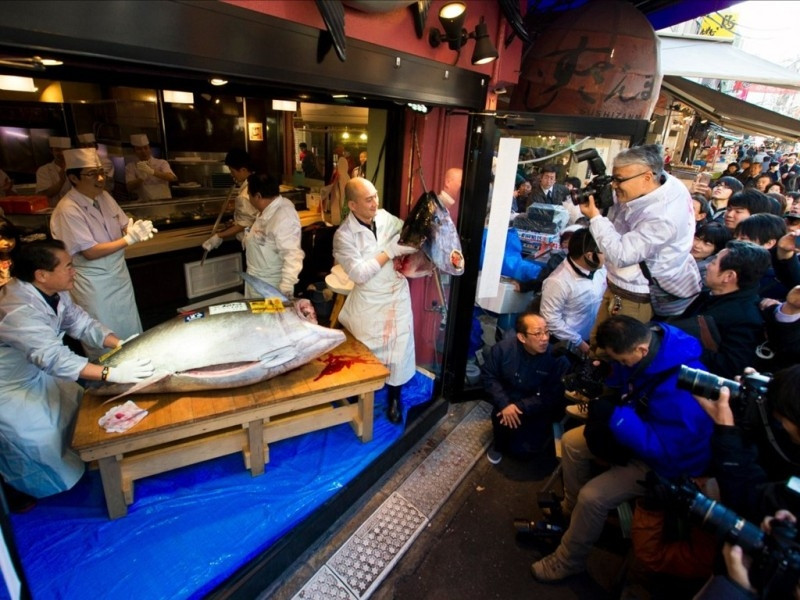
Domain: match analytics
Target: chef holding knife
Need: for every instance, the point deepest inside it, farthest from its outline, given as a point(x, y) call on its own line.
point(244, 214)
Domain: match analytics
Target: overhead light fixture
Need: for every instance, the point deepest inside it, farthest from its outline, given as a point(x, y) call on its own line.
point(12, 83)
point(363, 137)
point(174, 97)
point(452, 17)
point(418, 107)
point(287, 105)
point(338, 95)
point(217, 81)
point(345, 135)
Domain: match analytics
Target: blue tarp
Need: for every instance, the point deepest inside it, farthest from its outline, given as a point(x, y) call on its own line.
point(190, 529)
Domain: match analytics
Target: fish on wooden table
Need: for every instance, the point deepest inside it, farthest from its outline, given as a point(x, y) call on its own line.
point(226, 345)
point(430, 228)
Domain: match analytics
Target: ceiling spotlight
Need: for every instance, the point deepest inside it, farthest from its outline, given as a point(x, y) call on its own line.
point(218, 81)
point(452, 17)
point(418, 107)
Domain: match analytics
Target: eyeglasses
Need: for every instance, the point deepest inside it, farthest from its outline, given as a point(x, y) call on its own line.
point(618, 180)
point(544, 333)
point(94, 174)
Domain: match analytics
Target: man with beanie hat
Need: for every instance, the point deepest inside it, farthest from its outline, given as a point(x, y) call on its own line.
point(96, 232)
point(51, 181)
point(149, 177)
point(87, 140)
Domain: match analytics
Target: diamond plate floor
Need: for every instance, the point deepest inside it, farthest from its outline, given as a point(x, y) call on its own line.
point(367, 557)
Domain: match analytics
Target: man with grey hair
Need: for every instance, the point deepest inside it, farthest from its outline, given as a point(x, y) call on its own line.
point(646, 238)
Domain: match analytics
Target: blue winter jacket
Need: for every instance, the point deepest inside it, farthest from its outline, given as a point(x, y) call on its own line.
point(671, 432)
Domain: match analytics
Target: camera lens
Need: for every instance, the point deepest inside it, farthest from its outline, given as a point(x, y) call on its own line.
point(705, 384)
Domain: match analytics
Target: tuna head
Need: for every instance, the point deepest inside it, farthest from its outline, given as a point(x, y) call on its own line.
point(430, 228)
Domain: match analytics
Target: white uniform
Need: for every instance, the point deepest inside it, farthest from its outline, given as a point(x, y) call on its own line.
point(570, 301)
point(244, 213)
point(103, 286)
point(38, 394)
point(152, 187)
point(47, 175)
point(272, 247)
point(378, 310)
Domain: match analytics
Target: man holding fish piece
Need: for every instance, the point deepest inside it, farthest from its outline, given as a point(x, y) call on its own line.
point(272, 242)
point(39, 396)
point(96, 232)
point(378, 310)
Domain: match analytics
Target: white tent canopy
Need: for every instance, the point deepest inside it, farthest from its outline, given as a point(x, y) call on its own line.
point(717, 58)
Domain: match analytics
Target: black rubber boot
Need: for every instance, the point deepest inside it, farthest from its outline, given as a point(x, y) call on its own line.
point(395, 410)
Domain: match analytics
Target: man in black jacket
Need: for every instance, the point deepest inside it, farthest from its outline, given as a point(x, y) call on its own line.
point(731, 327)
point(548, 191)
point(522, 379)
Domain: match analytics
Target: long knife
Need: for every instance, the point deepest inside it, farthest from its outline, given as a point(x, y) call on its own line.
point(217, 222)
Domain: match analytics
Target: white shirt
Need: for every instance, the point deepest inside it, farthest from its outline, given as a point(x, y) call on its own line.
point(657, 228)
point(570, 302)
point(47, 175)
point(272, 246)
point(152, 187)
point(244, 213)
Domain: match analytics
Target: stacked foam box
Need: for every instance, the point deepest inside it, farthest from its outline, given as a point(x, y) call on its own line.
point(534, 242)
point(23, 205)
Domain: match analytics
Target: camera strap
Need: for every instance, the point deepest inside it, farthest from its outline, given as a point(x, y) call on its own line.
point(762, 411)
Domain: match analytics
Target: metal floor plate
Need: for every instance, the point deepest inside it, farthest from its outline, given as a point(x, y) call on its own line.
point(367, 557)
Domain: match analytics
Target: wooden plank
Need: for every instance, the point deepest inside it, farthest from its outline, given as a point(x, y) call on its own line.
point(255, 450)
point(280, 430)
point(111, 476)
point(366, 415)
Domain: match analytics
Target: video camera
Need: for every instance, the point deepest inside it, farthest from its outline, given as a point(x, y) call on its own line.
point(587, 378)
point(599, 186)
point(776, 556)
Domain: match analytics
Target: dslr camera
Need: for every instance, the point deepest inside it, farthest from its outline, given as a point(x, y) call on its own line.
point(599, 186)
point(753, 386)
point(775, 569)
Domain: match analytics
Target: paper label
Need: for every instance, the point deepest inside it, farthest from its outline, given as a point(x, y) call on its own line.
point(228, 307)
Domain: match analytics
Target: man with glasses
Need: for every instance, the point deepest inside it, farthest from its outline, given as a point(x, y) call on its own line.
point(522, 379)
point(646, 238)
point(96, 232)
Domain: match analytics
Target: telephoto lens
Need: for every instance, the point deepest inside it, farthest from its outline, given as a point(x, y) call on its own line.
point(704, 384)
point(538, 529)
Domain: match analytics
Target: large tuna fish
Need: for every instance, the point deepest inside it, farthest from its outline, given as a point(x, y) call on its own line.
point(226, 345)
point(430, 228)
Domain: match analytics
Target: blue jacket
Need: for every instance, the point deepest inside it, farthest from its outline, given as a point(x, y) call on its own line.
point(672, 432)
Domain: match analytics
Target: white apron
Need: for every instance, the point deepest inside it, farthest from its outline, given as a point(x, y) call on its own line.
point(103, 289)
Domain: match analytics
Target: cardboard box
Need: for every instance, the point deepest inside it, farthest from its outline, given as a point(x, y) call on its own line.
point(507, 301)
point(534, 242)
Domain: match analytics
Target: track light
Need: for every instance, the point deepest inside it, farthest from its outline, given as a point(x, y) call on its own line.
point(452, 16)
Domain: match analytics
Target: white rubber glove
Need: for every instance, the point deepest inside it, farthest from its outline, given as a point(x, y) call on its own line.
point(394, 249)
point(144, 169)
point(211, 243)
point(139, 231)
point(131, 371)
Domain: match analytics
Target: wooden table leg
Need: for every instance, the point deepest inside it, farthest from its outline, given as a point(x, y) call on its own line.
point(337, 306)
point(255, 439)
point(366, 408)
point(111, 476)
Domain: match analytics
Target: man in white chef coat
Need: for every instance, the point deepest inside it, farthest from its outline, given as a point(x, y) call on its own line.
point(148, 177)
point(51, 179)
point(87, 140)
point(96, 232)
point(378, 310)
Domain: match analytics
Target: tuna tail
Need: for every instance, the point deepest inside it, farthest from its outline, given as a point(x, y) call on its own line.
point(154, 378)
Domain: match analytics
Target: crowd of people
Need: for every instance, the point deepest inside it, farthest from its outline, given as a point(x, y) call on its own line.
point(707, 278)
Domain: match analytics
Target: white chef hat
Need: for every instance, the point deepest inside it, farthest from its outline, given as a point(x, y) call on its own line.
point(60, 142)
point(81, 158)
point(86, 138)
point(139, 139)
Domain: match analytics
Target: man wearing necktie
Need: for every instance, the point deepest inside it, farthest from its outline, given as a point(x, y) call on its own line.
point(96, 232)
point(548, 191)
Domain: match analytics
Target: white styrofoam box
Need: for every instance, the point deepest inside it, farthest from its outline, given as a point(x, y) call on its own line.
point(217, 274)
point(507, 301)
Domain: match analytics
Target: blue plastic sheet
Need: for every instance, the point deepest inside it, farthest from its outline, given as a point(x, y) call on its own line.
point(190, 529)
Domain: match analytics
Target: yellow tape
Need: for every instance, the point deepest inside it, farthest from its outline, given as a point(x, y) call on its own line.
point(268, 305)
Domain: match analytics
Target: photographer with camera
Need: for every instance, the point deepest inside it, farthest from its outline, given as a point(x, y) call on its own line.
point(650, 227)
point(652, 423)
point(756, 439)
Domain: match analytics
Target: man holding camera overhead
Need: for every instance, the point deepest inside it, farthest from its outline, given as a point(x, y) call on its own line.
point(646, 238)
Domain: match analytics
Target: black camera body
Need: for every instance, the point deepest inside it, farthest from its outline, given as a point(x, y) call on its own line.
point(776, 556)
point(599, 186)
point(587, 378)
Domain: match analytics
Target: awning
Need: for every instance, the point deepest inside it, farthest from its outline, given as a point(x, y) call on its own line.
point(730, 112)
point(715, 58)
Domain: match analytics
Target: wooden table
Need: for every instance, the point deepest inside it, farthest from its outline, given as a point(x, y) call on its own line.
point(184, 429)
